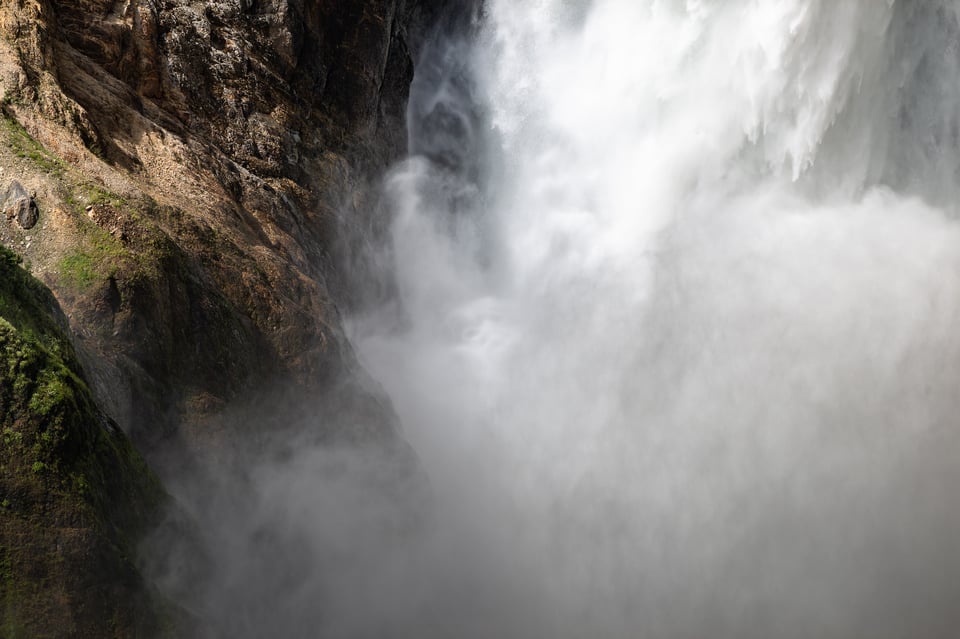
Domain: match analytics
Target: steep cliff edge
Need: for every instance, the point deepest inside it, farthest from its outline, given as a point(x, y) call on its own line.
point(193, 164)
point(75, 497)
point(184, 173)
point(218, 146)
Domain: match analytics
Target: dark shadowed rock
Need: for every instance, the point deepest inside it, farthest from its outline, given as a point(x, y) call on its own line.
point(75, 497)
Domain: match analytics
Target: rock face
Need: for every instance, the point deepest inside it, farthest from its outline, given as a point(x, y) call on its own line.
point(196, 166)
point(74, 495)
point(223, 147)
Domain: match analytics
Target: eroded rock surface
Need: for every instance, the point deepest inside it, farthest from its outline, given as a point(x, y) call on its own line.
point(195, 165)
point(222, 145)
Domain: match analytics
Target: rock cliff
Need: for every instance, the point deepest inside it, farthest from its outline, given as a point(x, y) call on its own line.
point(190, 174)
point(195, 163)
point(75, 498)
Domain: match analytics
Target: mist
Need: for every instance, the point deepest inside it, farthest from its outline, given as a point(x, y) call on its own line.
point(672, 335)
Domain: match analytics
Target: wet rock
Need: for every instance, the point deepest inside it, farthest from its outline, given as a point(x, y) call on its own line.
point(20, 206)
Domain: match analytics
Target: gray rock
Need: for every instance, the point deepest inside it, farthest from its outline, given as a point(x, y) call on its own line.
point(18, 204)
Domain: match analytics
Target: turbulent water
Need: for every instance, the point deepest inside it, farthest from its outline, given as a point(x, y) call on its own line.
point(680, 344)
point(675, 337)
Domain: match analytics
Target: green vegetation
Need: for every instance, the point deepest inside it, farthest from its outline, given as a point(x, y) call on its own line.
point(74, 495)
point(98, 254)
point(30, 309)
point(96, 195)
point(24, 146)
point(78, 270)
point(101, 254)
point(97, 257)
point(88, 194)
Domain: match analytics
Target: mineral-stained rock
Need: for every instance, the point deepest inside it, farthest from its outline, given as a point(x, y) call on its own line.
point(18, 205)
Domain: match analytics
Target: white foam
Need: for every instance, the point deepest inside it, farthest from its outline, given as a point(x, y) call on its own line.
point(705, 376)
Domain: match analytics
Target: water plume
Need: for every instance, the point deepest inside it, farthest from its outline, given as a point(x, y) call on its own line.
point(672, 331)
point(686, 351)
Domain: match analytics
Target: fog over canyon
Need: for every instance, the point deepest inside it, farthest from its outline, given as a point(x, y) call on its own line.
point(653, 331)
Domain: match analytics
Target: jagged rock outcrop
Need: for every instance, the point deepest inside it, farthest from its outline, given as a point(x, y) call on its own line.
point(195, 165)
point(230, 139)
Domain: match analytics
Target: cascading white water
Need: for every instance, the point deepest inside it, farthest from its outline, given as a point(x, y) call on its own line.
point(685, 360)
point(678, 345)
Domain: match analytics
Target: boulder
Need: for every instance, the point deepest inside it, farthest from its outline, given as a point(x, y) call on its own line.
point(18, 205)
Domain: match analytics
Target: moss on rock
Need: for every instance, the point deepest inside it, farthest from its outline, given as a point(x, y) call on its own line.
point(75, 497)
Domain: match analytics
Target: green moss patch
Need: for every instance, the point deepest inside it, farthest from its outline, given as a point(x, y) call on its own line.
point(123, 245)
point(26, 147)
point(78, 270)
point(75, 497)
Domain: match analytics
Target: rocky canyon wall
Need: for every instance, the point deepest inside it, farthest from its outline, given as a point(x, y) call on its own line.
point(193, 167)
point(210, 151)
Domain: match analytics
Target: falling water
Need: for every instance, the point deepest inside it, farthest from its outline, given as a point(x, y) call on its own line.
point(679, 333)
point(675, 338)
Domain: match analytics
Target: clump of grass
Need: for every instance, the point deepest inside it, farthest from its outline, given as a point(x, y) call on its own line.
point(99, 258)
point(77, 270)
point(99, 254)
point(25, 146)
point(87, 194)
point(26, 305)
point(97, 195)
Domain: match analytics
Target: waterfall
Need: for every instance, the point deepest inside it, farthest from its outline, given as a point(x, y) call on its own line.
point(678, 342)
point(672, 326)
